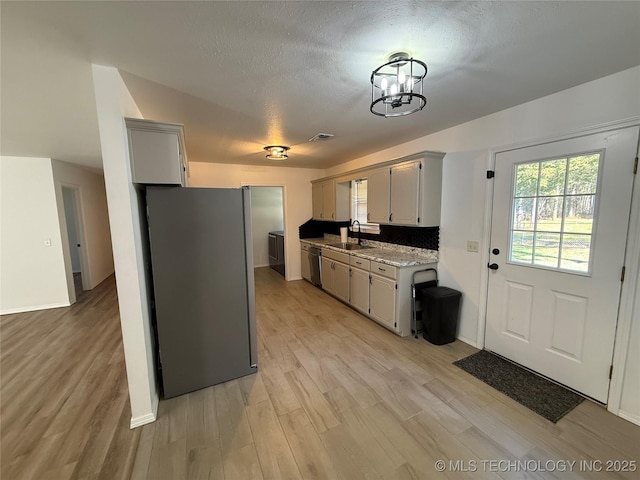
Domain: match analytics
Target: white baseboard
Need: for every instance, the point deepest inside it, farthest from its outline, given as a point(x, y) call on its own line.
point(9, 311)
point(147, 417)
point(468, 341)
point(631, 417)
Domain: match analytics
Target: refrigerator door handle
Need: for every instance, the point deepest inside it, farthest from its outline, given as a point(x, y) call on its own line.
point(251, 293)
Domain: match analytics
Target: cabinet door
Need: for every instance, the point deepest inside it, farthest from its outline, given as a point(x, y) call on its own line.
point(328, 200)
point(327, 276)
point(341, 281)
point(360, 290)
point(316, 201)
point(382, 294)
point(155, 157)
point(405, 193)
point(305, 266)
point(378, 196)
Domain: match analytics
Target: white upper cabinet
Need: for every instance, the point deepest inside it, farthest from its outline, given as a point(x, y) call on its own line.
point(330, 200)
point(405, 194)
point(415, 191)
point(157, 152)
point(316, 197)
point(378, 183)
point(400, 193)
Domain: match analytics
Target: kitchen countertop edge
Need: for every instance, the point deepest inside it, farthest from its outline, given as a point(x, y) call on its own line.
point(382, 255)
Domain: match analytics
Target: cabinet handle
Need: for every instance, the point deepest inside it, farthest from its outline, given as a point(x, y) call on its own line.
point(381, 269)
point(368, 216)
point(320, 214)
point(391, 217)
point(333, 215)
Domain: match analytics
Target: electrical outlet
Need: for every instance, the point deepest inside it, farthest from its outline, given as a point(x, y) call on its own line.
point(472, 246)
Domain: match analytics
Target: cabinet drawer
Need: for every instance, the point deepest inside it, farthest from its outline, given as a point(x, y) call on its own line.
point(341, 257)
point(304, 247)
point(383, 269)
point(360, 263)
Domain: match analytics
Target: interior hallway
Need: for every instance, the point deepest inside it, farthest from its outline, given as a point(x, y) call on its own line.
point(336, 397)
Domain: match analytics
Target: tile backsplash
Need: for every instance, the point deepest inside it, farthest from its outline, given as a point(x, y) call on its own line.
point(419, 237)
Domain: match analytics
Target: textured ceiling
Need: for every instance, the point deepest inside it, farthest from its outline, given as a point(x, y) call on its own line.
point(241, 75)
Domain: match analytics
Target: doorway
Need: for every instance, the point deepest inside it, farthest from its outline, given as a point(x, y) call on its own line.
point(267, 217)
point(75, 235)
point(558, 237)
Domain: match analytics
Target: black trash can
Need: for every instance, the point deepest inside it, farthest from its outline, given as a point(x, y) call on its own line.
point(440, 308)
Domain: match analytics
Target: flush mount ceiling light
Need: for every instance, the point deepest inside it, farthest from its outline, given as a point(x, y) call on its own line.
point(396, 86)
point(277, 152)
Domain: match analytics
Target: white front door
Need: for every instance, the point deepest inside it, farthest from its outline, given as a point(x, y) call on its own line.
point(558, 236)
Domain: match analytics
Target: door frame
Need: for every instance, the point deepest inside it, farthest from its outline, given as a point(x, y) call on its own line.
point(284, 218)
point(632, 256)
point(82, 237)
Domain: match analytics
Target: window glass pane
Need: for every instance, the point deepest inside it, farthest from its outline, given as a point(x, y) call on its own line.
point(547, 249)
point(553, 203)
point(359, 200)
point(579, 214)
point(575, 252)
point(583, 174)
point(526, 179)
point(523, 213)
point(521, 247)
point(552, 175)
point(549, 217)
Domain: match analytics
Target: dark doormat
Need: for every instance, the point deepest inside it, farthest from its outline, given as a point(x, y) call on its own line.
point(533, 391)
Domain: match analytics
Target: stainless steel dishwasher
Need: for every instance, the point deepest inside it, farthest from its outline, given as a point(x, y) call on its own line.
point(315, 255)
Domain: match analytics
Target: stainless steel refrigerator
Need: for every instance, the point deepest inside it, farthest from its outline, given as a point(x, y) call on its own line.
point(202, 264)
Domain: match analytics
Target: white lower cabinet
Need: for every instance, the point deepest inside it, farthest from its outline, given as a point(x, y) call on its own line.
point(380, 291)
point(341, 281)
point(305, 266)
point(360, 290)
point(335, 274)
point(382, 305)
point(326, 274)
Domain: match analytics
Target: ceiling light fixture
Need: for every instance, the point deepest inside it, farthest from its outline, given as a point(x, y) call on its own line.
point(396, 86)
point(277, 152)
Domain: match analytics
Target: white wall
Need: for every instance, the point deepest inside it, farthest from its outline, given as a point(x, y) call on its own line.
point(297, 195)
point(70, 209)
point(32, 274)
point(266, 216)
point(93, 218)
point(114, 102)
point(462, 219)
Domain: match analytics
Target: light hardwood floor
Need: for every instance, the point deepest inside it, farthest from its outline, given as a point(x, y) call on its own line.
point(336, 397)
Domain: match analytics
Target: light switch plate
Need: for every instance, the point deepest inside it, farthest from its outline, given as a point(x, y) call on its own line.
point(472, 246)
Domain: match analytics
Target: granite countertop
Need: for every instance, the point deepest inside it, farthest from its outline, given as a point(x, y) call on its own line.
point(400, 257)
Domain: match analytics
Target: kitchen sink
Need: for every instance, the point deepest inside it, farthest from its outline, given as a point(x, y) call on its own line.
point(349, 246)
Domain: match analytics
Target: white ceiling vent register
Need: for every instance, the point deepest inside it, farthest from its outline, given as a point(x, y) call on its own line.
point(321, 137)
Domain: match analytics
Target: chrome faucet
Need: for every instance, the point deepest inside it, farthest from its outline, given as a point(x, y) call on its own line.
point(359, 231)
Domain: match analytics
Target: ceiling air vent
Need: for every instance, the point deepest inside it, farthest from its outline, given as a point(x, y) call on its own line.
point(321, 137)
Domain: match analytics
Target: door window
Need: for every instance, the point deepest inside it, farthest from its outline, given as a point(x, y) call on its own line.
point(552, 214)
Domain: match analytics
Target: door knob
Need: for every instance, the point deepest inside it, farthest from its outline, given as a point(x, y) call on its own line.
point(493, 266)
point(495, 251)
